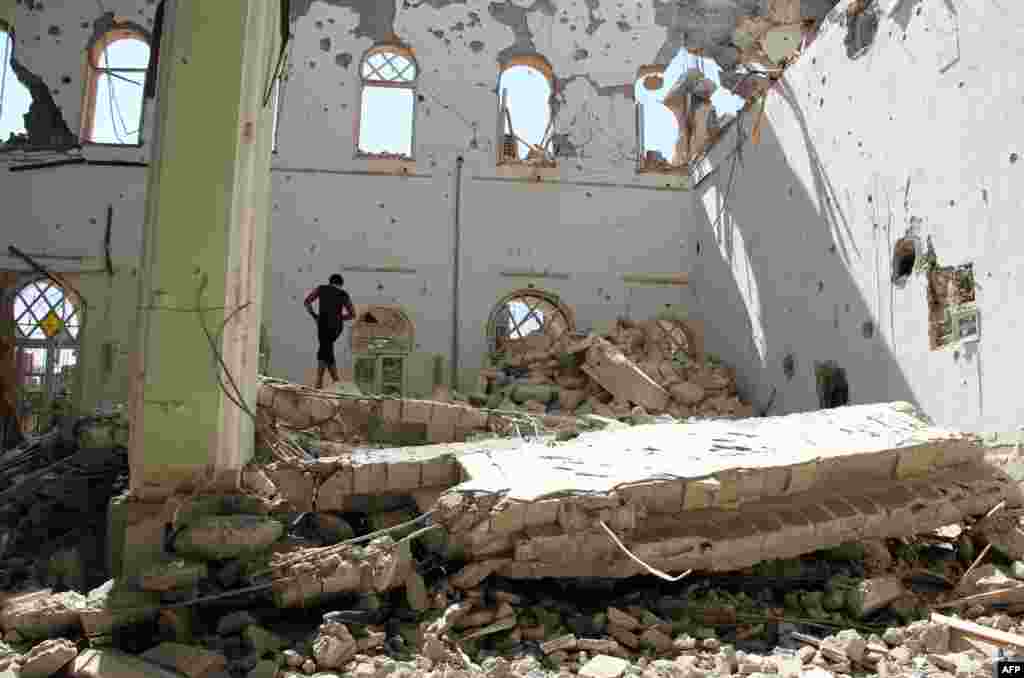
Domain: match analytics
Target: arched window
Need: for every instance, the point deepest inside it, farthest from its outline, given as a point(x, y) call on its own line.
point(116, 76)
point(48, 325)
point(527, 319)
point(657, 127)
point(14, 96)
point(387, 111)
point(526, 85)
point(42, 311)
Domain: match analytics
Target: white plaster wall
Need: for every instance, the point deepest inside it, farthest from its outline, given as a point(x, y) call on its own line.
point(602, 221)
point(853, 152)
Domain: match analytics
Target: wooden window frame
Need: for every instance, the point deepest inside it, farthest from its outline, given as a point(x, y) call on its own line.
point(91, 73)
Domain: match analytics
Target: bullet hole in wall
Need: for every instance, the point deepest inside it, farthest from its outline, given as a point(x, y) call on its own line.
point(833, 388)
point(1014, 158)
point(789, 366)
point(821, 286)
point(867, 329)
point(698, 248)
point(904, 258)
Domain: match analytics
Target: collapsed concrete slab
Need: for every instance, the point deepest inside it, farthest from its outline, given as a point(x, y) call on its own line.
point(707, 495)
point(715, 495)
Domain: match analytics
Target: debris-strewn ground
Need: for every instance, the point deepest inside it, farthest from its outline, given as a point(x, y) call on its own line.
point(245, 590)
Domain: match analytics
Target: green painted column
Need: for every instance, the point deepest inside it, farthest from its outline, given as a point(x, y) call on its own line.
point(204, 243)
point(7, 12)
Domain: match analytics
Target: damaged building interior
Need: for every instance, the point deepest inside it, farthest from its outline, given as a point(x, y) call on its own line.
point(666, 357)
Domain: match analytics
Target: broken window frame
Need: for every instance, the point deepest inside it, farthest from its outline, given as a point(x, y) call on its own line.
point(533, 298)
point(642, 167)
point(955, 315)
point(397, 49)
point(93, 71)
point(541, 65)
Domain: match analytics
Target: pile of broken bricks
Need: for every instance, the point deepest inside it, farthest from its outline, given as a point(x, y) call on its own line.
point(488, 627)
point(637, 370)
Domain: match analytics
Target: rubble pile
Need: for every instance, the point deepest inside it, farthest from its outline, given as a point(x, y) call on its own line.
point(54, 492)
point(639, 369)
point(754, 621)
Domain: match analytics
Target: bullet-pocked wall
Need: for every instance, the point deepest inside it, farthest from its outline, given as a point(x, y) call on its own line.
point(593, 220)
point(892, 125)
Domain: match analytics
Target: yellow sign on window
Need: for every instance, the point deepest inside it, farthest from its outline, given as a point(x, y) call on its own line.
point(51, 325)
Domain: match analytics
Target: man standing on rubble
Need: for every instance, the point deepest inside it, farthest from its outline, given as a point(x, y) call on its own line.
point(335, 308)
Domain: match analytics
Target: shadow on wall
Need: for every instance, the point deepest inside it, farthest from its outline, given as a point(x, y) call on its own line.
point(774, 281)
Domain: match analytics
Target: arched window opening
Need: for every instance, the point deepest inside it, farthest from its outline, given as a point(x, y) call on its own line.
point(684, 94)
point(15, 98)
point(524, 116)
point(657, 127)
point(527, 320)
point(48, 325)
point(388, 108)
point(117, 65)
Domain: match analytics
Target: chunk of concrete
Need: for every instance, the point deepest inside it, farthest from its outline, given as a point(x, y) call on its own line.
point(223, 537)
point(621, 377)
point(604, 666)
point(194, 662)
point(173, 574)
point(37, 617)
point(114, 664)
point(872, 595)
point(48, 657)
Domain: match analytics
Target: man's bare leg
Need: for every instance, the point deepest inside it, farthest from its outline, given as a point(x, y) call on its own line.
point(334, 373)
point(320, 369)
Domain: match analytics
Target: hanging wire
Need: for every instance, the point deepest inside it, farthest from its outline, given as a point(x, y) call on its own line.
point(116, 112)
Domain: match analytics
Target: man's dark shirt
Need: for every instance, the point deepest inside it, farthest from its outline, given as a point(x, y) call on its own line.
point(333, 301)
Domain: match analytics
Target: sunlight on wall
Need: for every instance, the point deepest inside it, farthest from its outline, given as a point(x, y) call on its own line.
point(734, 253)
point(14, 97)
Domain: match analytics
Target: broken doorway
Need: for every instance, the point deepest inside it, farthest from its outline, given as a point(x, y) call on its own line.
point(47, 328)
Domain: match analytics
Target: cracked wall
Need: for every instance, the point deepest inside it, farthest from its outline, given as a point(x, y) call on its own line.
point(901, 137)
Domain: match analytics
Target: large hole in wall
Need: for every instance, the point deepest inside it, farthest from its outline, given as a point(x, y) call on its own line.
point(904, 258)
point(952, 309)
point(833, 389)
point(15, 98)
